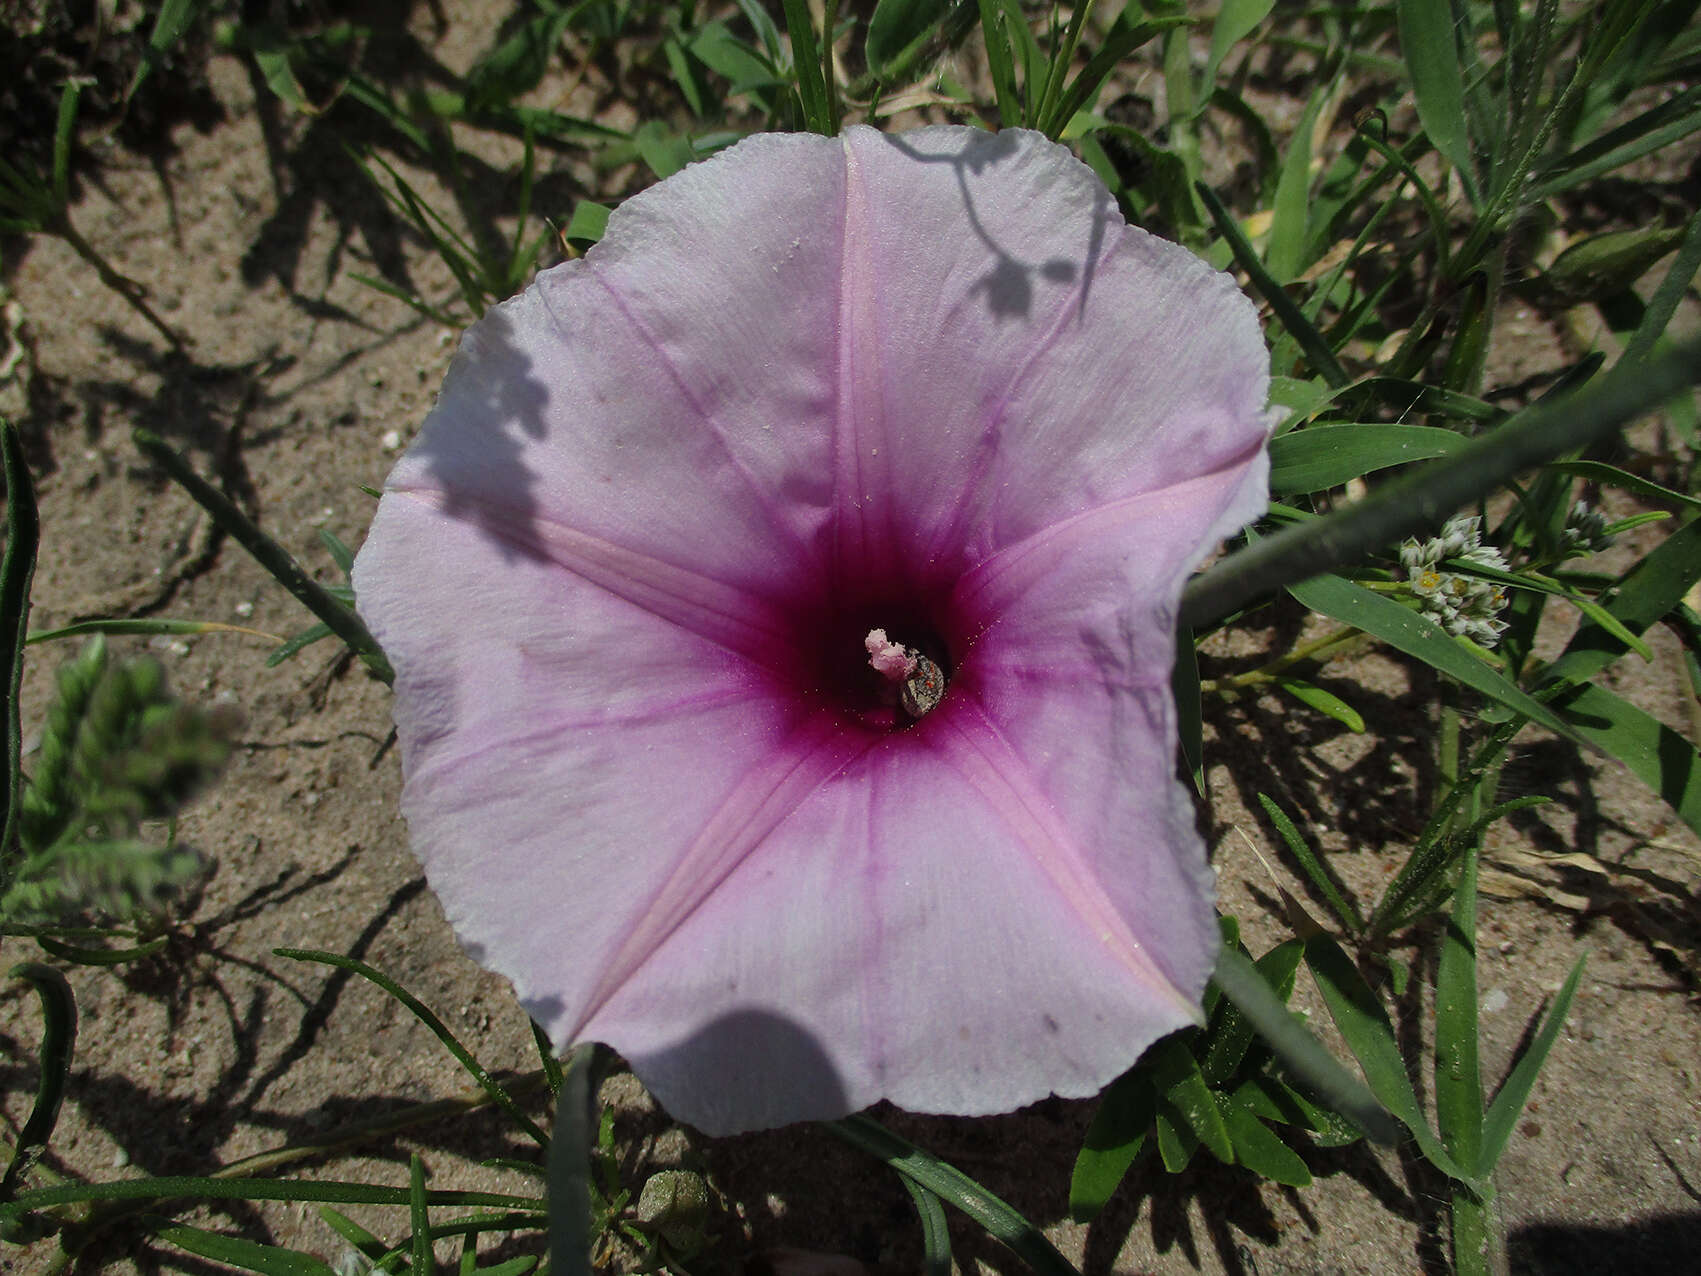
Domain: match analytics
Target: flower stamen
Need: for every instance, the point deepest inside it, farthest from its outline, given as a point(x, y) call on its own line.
point(921, 682)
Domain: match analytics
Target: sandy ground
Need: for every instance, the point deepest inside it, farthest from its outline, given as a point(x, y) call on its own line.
point(299, 384)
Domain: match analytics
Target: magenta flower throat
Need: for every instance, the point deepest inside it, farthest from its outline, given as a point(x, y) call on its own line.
point(782, 601)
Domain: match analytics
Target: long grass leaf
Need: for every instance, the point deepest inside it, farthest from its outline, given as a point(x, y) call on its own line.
point(1458, 1075)
point(17, 570)
point(1432, 59)
point(1419, 501)
point(438, 1029)
point(1508, 1104)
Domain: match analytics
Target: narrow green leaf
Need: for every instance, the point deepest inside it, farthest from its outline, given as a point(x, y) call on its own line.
point(1612, 476)
point(806, 67)
point(1420, 637)
point(1671, 121)
point(58, 1044)
point(245, 1255)
point(1458, 1076)
point(1325, 702)
point(295, 642)
point(17, 569)
point(1175, 1138)
point(999, 63)
point(1508, 1105)
point(1326, 456)
point(1260, 1149)
point(85, 628)
point(935, 1232)
point(1648, 592)
point(1364, 1026)
point(1432, 58)
point(1289, 226)
point(64, 136)
point(1314, 867)
point(1656, 316)
point(424, 1262)
point(1236, 20)
point(1419, 501)
point(1657, 755)
point(1114, 1141)
point(896, 28)
point(1189, 709)
point(1024, 1240)
point(438, 1028)
point(84, 956)
point(1291, 317)
point(272, 556)
point(1126, 34)
point(1306, 1059)
point(248, 1189)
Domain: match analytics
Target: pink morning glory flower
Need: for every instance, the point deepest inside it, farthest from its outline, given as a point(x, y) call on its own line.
point(782, 603)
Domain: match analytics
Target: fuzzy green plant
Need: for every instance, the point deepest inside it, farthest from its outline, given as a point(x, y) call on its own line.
point(118, 752)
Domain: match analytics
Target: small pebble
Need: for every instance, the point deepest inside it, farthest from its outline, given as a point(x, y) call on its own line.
point(245, 610)
point(392, 440)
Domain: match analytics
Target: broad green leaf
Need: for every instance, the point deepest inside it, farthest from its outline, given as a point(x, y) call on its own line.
point(1432, 58)
point(1302, 1054)
point(1508, 1105)
point(1230, 1034)
point(1420, 637)
point(1364, 1025)
point(662, 150)
point(279, 74)
point(1260, 1149)
point(589, 221)
point(1657, 755)
point(1181, 1087)
point(1458, 1076)
point(1603, 265)
point(896, 28)
point(1114, 1140)
point(1325, 456)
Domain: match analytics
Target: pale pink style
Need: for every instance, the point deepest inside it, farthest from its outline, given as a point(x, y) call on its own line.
point(928, 384)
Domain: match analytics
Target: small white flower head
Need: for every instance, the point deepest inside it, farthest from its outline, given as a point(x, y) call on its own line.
point(1585, 531)
point(1465, 606)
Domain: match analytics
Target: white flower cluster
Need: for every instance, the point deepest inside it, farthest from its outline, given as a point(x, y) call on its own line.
point(1585, 531)
point(1464, 606)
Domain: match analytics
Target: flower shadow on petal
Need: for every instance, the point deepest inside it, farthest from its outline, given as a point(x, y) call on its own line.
point(714, 1072)
point(1009, 284)
point(511, 412)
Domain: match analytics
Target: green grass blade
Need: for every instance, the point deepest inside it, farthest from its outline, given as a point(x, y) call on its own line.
point(1364, 1026)
point(1612, 476)
point(330, 1191)
point(1236, 20)
point(1420, 637)
point(85, 628)
point(1432, 59)
point(1000, 64)
point(806, 66)
point(1230, 1035)
point(1306, 1060)
point(1181, 1087)
point(17, 570)
point(1458, 1075)
point(1314, 867)
point(1656, 317)
point(950, 1184)
point(897, 29)
point(1125, 35)
point(273, 557)
point(58, 1044)
point(1508, 1104)
point(419, 1216)
point(244, 1255)
point(935, 1232)
point(1291, 317)
point(438, 1028)
point(1419, 501)
point(1284, 256)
